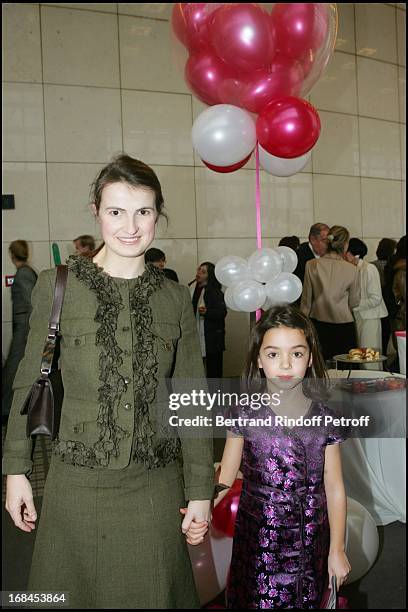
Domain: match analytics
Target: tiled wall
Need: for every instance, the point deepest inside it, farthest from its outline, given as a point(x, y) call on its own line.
point(84, 81)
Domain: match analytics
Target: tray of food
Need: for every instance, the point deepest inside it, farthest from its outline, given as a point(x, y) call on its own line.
point(361, 355)
point(375, 385)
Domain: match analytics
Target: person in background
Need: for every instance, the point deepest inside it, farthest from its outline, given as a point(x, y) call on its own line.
point(331, 290)
point(210, 310)
point(21, 289)
point(395, 289)
point(371, 309)
point(158, 259)
point(385, 249)
point(84, 245)
point(315, 248)
point(292, 242)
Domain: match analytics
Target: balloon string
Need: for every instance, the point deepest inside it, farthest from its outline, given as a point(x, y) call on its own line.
point(258, 201)
point(258, 212)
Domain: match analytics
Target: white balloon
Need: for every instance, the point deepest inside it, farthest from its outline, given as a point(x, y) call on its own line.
point(229, 298)
point(289, 258)
point(264, 265)
point(361, 540)
point(249, 295)
point(224, 134)
point(279, 166)
point(284, 289)
point(231, 269)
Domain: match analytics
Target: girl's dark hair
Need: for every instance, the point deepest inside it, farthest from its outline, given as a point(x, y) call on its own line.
point(357, 247)
point(212, 279)
point(314, 383)
point(126, 169)
point(386, 248)
point(19, 250)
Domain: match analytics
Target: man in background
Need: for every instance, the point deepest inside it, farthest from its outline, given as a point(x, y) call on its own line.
point(158, 259)
point(316, 247)
point(84, 245)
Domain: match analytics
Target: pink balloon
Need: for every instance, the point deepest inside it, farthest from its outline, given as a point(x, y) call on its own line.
point(226, 169)
point(190, 25)
point(283, 78)
point(299, 27)
point(288, 127)
point(243, 36)
point(206, 76)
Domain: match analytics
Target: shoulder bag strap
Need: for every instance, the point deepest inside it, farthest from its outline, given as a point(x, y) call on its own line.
point(54, 322)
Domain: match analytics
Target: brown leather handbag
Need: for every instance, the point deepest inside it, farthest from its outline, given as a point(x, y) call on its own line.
point(43, 403)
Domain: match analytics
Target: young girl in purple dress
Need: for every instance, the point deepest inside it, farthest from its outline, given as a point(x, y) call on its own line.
point(290, 526)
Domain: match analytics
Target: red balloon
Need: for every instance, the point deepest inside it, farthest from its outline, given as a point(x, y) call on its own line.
point(190, 24)
point(225, 169)
point(206, 74)
point(283, 78)
point(224, 515)
point(243, 36)
point(288, 127)
point(299, 27)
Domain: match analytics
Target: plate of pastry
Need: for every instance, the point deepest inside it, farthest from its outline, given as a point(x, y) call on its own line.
point(361, 355)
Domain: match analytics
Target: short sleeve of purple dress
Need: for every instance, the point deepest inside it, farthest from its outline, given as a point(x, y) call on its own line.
point(281, 539)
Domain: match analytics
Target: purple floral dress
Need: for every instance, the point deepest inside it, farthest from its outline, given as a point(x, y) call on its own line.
point(281, 539)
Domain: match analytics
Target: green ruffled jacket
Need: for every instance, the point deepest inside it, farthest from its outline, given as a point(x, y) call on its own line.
point(119, 339)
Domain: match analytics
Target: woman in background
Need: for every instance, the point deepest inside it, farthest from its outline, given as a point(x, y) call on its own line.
point(24, 281)
point(371, 309)
point(331, 290)
point(210, 310)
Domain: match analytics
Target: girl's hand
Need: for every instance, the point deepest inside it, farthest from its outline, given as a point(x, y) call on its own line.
point(196, 520)
point(339, 566)
point(20, 503)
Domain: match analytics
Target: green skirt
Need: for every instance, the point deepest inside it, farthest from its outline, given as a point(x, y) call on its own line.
point(112, 538)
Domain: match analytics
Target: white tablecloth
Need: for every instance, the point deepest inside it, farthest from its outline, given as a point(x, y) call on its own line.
point(374, 468)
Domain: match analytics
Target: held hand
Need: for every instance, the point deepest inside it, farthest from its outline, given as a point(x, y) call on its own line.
point(339, 566)
point(19, 502)
point(202, 310)
point(196, 520)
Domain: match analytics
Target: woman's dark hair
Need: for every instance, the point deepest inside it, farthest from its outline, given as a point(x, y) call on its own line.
point(126, 169)
point(292, 242)
point(357, 247)
point(401, 250)
point(152, 255)
point(314, 383)
point(386, 248)
point(19, 250)
point(212, 279)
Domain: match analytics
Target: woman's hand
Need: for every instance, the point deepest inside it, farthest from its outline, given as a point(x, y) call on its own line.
point(196, 520)
point(202, 310)
point(20, 503)
point(339, 566)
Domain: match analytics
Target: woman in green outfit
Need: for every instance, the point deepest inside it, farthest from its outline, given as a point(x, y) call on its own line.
point(110, 533)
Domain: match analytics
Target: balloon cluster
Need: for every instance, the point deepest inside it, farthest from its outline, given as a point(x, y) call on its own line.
point(243, 59)
point(262, 280)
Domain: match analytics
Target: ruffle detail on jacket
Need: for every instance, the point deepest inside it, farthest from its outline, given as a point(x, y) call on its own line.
point(145, 383)
point(145, 367)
